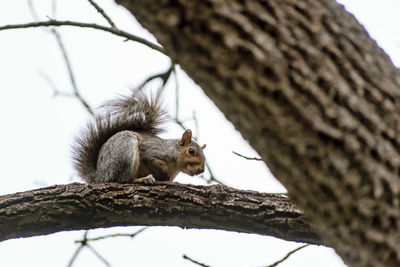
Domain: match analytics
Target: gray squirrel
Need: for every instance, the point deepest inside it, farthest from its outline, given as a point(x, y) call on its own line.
point(121, 145)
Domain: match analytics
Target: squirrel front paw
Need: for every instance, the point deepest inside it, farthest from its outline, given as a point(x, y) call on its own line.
point(149, 179)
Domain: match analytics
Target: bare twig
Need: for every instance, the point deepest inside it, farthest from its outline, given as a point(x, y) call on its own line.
point(73, 258)
point(114, 31)
point(164, 76)
point(67, 61)
point(33, 10)
point(194, 261)
point(196, 124)
point(212, 176)
point(101, 11)
point(248, 158)
point(114, 235)
point(50, 82)
point(70, 72)
point(98, 255)
point(78, 250)
point(176, 95)
point(178, 122)
point(84, 242)
point(287, 256)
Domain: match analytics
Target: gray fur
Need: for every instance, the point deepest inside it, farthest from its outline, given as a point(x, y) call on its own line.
point(94, 150)
point(119, 166)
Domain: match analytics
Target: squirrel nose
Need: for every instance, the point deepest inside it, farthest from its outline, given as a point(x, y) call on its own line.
point(200, 170)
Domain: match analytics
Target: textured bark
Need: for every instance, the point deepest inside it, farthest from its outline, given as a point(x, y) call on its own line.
point(80, 206)
point(313, 94)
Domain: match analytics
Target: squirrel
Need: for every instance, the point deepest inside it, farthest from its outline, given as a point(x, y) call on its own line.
point(121, 145)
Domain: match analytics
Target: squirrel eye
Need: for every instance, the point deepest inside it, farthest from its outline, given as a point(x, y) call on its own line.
point(191, 151)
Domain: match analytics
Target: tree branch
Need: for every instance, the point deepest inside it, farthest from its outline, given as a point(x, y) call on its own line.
point(112, 30)
point(103, 13)
point(80, 206)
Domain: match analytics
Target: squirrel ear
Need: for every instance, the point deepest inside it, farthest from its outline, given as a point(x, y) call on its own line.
point(186, 137)
point(203, 146)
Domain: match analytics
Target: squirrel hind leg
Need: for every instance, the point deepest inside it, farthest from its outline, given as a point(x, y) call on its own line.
point(118, 159)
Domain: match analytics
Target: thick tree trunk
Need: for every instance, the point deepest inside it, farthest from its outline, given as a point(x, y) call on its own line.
point(80, 206)
point(313, 94)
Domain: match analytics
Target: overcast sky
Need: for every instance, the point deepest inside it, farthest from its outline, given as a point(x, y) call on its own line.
point(38, 128)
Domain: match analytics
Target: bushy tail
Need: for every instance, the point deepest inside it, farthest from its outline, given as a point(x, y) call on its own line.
point(136, 112)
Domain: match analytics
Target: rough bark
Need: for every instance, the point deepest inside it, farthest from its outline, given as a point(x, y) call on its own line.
point(80, 206)
point(313, 94)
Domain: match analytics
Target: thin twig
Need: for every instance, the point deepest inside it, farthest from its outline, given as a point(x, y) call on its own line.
point(67, 61)
point(176, 94)
point(167, 75)
point(84, 242)
point(50, 82)
point(114, 235)
point(71, 72)
point(101, 11)
point(212, 176)
point(33, 10)
point(178, 122)
point(194, 261)
point(78, 250)
point(114, 31)
point(287, 256)
point(248, 158)
point(196, 124)
point(98, 255)
point(164, 76)
point(76, 253)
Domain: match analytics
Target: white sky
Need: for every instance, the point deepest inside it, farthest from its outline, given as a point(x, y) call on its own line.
point(37, 129)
